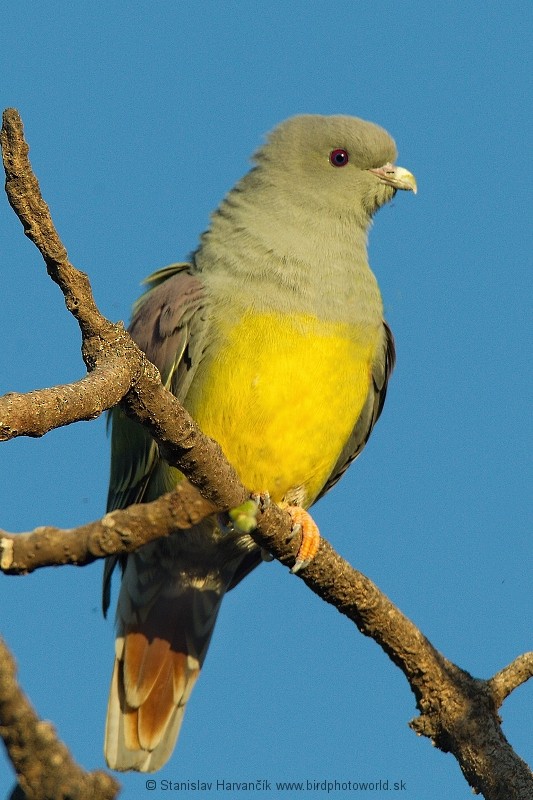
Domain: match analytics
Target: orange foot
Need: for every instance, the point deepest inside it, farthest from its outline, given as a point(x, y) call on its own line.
point(304, 523)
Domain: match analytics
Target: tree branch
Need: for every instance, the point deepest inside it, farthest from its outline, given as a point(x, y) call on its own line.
point(37, 412)
point(511, 677)
point(105, 345)
point(457, 711)
point(108, 351)
point(119, 532)
point(44, 766)
point(24, 195)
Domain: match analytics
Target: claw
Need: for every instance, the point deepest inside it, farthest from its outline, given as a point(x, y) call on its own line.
point(295, 530)
point(302, 521)
point(262, 500)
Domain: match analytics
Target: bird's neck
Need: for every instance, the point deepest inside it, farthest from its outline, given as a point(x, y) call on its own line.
point(277, 253)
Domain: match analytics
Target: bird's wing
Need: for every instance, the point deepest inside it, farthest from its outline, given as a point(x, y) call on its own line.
point(381, 371)
point(170, 326)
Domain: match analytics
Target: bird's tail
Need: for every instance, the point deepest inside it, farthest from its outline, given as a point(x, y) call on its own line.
point(164, 625)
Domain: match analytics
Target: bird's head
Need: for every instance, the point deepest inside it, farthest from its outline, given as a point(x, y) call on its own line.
point(345, 162)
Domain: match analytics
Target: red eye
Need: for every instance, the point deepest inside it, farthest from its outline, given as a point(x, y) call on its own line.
point(339, 157)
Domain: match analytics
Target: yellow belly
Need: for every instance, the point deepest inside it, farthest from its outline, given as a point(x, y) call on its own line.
point(282, 396)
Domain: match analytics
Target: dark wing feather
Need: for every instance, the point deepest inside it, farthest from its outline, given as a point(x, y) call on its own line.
point(169, 324)
point(372, 409)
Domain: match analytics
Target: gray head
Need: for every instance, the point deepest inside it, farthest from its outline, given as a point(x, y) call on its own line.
point(340, 159)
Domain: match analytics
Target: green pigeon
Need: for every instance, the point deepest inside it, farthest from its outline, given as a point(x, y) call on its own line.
point(272, 336)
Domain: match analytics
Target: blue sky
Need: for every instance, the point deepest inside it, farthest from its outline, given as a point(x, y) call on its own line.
point(140, 117)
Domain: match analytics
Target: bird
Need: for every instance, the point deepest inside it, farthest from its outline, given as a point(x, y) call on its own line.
point(272, 336)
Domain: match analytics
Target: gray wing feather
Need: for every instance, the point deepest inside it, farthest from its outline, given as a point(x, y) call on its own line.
point(167, 321)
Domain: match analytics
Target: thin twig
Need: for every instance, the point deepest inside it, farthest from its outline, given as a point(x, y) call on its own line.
point(511, 677)
point(119, 532)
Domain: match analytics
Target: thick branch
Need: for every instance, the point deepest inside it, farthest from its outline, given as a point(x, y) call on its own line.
point(44, 766)
point(458, 712)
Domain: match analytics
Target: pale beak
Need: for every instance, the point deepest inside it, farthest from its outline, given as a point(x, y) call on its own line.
point(398, 177)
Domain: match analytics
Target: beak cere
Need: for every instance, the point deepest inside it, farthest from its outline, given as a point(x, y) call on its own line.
point(398, 177)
